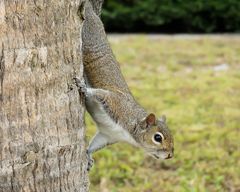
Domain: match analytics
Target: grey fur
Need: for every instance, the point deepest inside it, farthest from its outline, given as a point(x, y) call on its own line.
point(109, 94)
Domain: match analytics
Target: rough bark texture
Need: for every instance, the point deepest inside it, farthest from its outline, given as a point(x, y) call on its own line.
point(42, 145)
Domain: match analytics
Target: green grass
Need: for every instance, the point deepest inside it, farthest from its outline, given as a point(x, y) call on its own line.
point(175, 77)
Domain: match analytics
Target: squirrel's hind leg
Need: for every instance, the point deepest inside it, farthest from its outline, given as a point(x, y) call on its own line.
point(98, 94)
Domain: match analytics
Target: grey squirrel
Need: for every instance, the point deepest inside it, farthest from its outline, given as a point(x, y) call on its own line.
point(109, 101)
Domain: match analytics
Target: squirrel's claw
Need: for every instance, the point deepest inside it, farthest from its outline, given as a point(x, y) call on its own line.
point(90, 161)
point(90, 164)
point(80, 85)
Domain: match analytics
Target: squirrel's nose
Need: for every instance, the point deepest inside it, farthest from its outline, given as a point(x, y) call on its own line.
point(170, 155)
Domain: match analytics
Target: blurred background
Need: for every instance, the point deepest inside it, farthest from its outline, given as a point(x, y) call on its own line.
point(172, 16)
point(180, 58)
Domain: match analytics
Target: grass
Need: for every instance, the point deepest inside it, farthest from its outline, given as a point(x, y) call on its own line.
point(178, 77)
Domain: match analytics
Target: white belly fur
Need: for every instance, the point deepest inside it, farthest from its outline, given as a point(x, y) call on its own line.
point(106, 125)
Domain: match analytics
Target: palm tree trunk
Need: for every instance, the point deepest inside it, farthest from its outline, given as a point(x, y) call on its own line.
point(42, 145)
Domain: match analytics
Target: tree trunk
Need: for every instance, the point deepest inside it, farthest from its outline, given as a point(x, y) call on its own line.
point(42, 145)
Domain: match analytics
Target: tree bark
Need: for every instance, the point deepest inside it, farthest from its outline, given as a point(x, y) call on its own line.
point(42, 145)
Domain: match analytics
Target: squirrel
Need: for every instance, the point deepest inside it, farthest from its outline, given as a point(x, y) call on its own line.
point(119, 118)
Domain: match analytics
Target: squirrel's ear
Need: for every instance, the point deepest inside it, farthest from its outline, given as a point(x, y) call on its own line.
point(151, 119)
point(163, 119)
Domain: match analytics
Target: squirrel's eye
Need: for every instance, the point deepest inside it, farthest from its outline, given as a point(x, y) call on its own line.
point(157, 138)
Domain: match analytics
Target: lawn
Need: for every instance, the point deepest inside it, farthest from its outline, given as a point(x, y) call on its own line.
point(195, 82)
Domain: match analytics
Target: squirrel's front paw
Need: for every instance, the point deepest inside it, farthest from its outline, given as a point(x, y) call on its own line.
point(81, 85)
point(90, 161)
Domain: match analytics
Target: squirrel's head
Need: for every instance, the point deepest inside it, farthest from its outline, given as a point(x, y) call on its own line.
point(155, 137)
